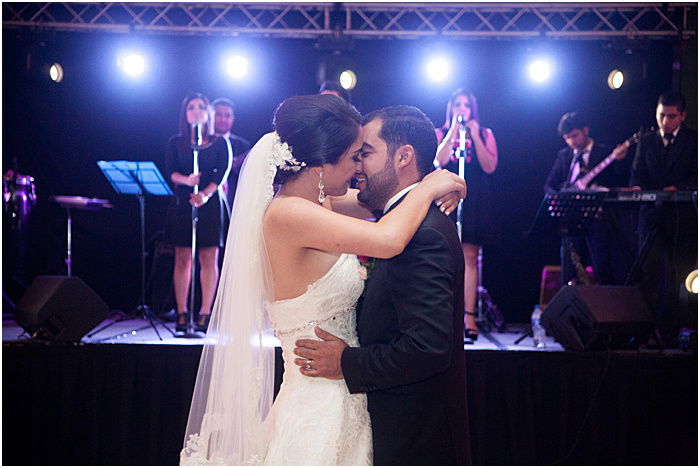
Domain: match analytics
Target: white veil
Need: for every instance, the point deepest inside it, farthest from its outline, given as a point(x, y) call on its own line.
point(234, 388)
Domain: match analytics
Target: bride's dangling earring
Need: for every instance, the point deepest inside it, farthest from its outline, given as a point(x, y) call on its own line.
point(321, 193)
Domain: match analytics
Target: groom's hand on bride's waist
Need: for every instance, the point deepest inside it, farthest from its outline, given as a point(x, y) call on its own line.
point(320, 358)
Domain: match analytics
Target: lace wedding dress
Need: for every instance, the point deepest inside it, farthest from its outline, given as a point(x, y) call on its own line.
point(232, 419)
point(316, 421)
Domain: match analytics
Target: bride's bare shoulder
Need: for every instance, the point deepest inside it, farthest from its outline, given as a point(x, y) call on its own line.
point(284, 209)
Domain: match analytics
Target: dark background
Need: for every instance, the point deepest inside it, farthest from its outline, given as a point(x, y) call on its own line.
point(57, 131)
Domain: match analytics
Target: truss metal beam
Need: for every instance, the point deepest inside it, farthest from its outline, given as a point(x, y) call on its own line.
point(365, 20)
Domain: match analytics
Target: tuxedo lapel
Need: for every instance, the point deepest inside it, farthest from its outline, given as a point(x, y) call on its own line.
point(675, 150)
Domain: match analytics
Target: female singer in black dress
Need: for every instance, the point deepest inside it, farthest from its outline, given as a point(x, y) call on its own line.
point(214, 164)
point(482, 160)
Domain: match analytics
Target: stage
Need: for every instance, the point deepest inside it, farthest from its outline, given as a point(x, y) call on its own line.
point(124, 401)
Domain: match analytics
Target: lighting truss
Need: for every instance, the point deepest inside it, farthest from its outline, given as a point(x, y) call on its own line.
point(365, 20)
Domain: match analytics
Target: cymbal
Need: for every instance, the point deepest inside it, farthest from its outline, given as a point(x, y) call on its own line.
point(81, 203)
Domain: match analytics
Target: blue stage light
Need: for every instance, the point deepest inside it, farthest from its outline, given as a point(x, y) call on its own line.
point(131, 63)
point(438, 69)
point(237, 66)
point(540, 71)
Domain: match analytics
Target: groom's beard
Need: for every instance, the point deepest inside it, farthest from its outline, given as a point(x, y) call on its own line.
point(379, 188)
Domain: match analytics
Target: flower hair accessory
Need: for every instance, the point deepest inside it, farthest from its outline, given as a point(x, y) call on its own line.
point(282, 156)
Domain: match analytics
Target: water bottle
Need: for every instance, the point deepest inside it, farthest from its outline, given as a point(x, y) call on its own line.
point(538, 332)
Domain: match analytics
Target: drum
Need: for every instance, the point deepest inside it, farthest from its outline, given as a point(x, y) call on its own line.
point(19, 198)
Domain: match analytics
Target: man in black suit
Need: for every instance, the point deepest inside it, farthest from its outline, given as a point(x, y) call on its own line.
point(224, 117)
point(667, 159)
point(580, 155)
point(411, 356)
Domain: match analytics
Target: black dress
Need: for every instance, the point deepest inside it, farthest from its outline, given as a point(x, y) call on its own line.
point(214, 164)
point(478, 226)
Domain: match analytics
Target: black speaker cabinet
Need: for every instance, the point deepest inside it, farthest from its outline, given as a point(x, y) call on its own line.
point(598, 317)
point(60, 308)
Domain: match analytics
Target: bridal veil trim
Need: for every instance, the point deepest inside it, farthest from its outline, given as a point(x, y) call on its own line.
point(234, 388)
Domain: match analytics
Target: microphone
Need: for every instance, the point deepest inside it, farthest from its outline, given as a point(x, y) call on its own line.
point(197, 133)
point(463, 127)
point(462, 135)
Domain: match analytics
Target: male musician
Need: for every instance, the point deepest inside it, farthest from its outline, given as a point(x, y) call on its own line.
point(224, 117)
point(667, 160)
point(572, 162)
point(334, 87)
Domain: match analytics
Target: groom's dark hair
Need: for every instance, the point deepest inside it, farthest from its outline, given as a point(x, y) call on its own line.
point(407, 125)
point(319, 128)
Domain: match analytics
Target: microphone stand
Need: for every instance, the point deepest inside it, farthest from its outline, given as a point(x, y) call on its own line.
point(461, 155)
point(195, 219)
point(482, 295)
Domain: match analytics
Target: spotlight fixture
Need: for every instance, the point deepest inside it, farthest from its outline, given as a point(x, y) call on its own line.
point(438, 69)
point(348, 79)
point(615, 79)
point(56, 72)
point(132, 64)
point(540, 71)
point(237, 66)
point(692, 282)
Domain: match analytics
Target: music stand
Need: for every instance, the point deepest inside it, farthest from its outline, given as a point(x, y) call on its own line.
point(571, 214)
point(137, 178)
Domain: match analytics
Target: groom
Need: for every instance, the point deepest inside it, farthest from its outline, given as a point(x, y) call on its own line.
point(411, 356)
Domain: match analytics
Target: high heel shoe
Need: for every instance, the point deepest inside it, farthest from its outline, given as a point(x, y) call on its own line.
point(181, 324)
point(471, 334)
point(202, 323)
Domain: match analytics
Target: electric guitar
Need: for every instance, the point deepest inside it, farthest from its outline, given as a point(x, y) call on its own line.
point(582, 182)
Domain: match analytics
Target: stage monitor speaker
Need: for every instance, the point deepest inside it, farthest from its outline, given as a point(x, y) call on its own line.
point(598, 317)
point(60, 308)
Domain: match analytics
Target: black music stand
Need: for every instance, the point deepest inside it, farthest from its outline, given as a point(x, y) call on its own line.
point(137, 178)
point(570, 213)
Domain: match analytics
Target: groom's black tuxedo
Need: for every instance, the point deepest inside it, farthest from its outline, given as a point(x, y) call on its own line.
point(411, 356)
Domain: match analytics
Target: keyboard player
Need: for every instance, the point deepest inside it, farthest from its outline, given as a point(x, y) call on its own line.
point(667, 160)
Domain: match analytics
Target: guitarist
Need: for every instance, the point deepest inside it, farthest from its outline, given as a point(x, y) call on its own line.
point(581, 154)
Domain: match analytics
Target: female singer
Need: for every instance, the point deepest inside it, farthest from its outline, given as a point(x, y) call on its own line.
point(214, 165)
point(477, 213)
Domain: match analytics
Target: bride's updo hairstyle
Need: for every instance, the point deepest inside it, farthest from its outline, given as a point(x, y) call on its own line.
point(319, 128)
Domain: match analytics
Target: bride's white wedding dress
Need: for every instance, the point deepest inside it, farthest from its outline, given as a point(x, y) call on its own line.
point(316, 421)
point(233, 420)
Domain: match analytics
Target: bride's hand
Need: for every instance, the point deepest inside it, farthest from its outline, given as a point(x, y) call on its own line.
point(441, 182)
point(448, 203)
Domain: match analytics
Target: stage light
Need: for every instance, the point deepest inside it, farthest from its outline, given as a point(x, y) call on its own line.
point(132, 64)
point(615, 79)
point(56, 72)
point(438, 69)
point(692, 282)
point(348, 79)
point(237, 66)
point(540, 71)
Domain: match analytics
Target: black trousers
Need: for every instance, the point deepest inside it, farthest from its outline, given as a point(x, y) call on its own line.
point(671, 231)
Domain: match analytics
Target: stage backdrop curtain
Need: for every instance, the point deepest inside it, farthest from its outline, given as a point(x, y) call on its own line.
point(128, 405)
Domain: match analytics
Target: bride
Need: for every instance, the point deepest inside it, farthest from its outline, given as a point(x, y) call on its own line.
point(291, 264)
